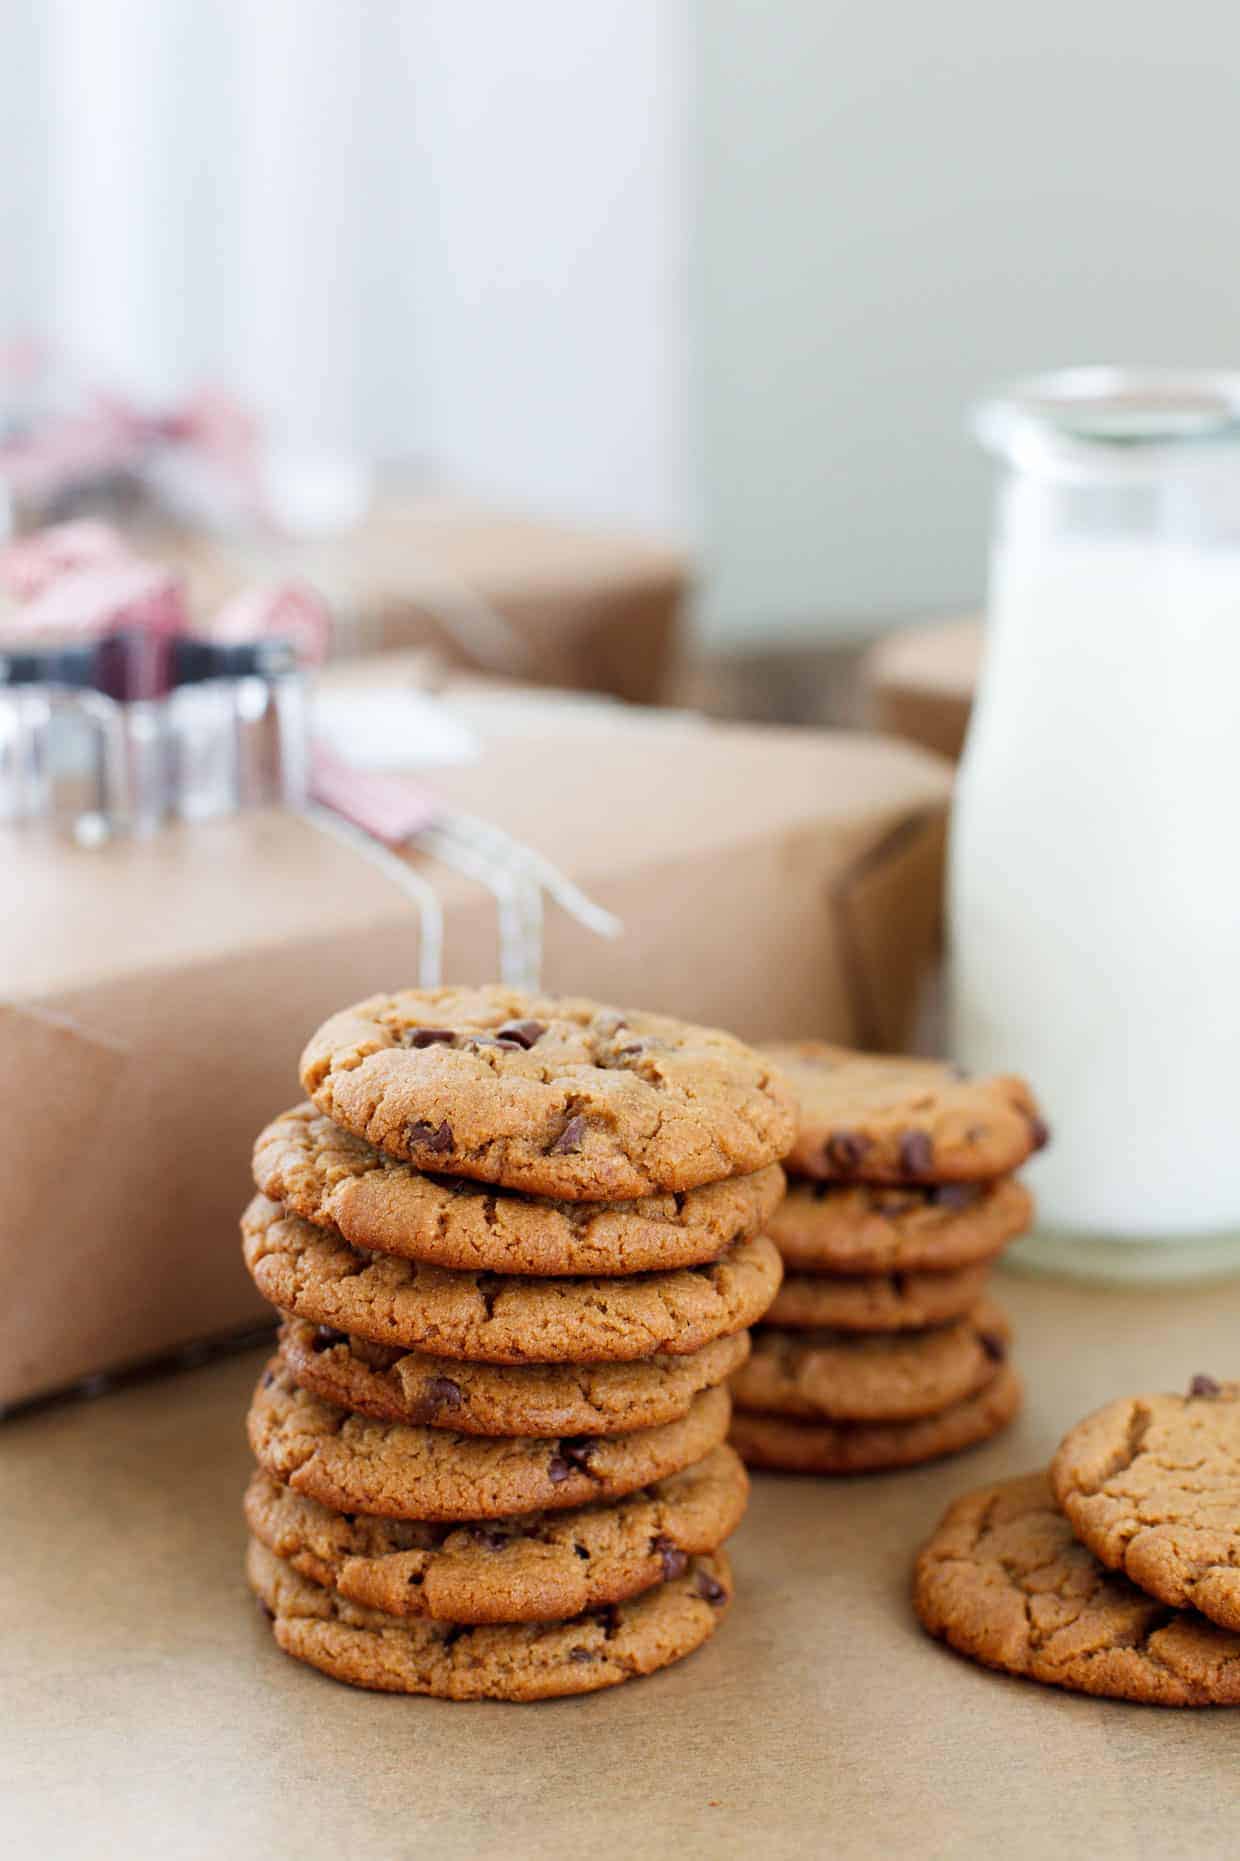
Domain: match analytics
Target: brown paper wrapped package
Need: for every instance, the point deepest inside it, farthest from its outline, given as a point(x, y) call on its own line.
point(158, 994)
point(567, 605)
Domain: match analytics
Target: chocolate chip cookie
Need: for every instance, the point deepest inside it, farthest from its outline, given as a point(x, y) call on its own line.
point(876, 1302)
point(394, 1385)
point(561, 1098)
point(487, 1318)
point(780, 1444)
point(873, 1118)
point(1152, 1486)
point(512, 1661)
point(339, 1181)
point(870, 1228)
point(841, 1376)
point(541, 1567)
point(352, 1464)
point(1003, 1581)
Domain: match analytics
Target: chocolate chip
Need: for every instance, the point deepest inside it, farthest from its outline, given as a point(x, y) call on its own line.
point(570, 1138)
point(579, 1451)
point(608, 1620)
point(325, 1338)
point(709, 1589)
point(1040, 1132)
point(916, 1153)
point(845, 1149)
point(521, 1033)
point(580, 1654)
point(442, 1393)
point(488, 1536)
point(558, 1470)
point(952, 1195)
point(993, 1345)
point(428, 1137)
point(451, 1634)
point(1203, 1385)
point(675, 1561)
point(428, 1036)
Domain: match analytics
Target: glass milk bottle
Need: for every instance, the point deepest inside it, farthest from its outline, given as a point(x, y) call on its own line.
point(1095, 861)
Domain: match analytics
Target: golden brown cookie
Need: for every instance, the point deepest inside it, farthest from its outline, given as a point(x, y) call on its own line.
point(780, 1444)
point(510, 1661)
point(560, 1098)
point(841, 1376)
point(542, 1567)
point(876, 1302)
point(487, 1318)
point(378, 1203)
point(1004, 1581)
point(394, 1385)
point(352, 1464)
point(1151, 1485)
point(868, 1117)
point(871, 1228)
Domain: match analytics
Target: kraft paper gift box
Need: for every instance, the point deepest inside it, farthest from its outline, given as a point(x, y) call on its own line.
point(562, 604)
point(920, 683)
point(158, 994)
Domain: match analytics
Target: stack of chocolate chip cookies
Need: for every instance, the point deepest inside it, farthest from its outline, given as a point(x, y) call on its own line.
point(1118, 1573)
point(516, 1243)
point(883, 1347)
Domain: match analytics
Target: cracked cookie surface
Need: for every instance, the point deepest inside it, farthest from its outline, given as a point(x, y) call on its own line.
point(539, 1567)
point(352, 1464)
point(1152, 1486)
point(869, 1117)
point(490, 1318)
point(394, 1385)
point(873, 1228)
point(781, 1444)
point(841, 1376)
point(876, 1302)
point(338, 1180)
point(510, 1661)
point(557, 1097)
point(1004, 1581)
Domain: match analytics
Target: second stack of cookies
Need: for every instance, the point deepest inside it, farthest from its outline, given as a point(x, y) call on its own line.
point(492, 1447)
point(884, 1346)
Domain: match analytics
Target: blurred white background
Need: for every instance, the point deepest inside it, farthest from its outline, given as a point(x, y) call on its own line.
point(726, 269)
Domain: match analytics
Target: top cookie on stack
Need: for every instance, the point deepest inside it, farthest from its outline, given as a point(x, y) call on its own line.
point(881, 1348)
point(555, 1098)
point(517, 1243)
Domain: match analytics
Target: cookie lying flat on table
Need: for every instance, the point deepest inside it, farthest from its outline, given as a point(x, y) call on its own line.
point(512, 1661)
point(352, 1464)
point(503, 1319)
point(561, 1098)
point(378, 1203)
point(394, 1385)
point(1004, 1581)
point(843, 1376)
point(876, 1302)
point(1152, 1486)
point(872, 1118)
point(541, 1567)
point(783, 1445)
point(870, 1228)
